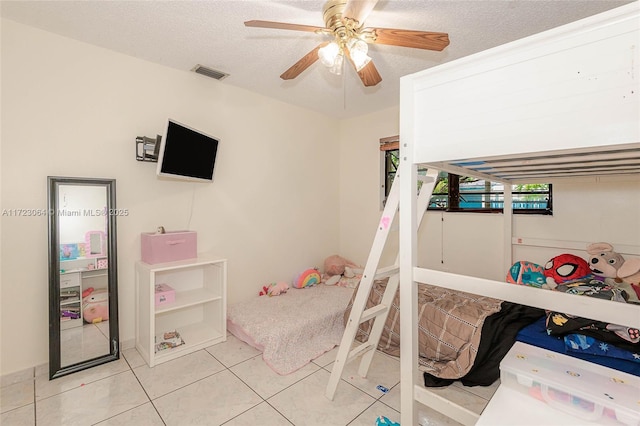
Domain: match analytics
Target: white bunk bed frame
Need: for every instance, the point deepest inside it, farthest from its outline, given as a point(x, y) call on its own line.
point(559, 104)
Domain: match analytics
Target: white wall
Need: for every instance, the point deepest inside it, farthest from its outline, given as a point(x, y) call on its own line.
point(360, 183)
point(72, 109)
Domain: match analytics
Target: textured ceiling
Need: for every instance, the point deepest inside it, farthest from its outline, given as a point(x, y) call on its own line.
point(181, 34)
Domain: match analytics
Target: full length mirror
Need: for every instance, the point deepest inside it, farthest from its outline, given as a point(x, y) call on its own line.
point(83, 301)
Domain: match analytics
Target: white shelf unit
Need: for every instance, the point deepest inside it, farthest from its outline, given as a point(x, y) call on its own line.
point(198, 313)
point(70, 300)
point(560, 104)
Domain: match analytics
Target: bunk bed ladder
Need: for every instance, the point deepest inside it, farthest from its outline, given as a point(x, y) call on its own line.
point(378, 313)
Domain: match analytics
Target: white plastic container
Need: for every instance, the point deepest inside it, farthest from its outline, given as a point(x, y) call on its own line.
point(583, 389)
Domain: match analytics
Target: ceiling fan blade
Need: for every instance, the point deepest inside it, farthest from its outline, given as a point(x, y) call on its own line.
point(282, 26)
point(305, 62)
point(409, 38)
point(369, 74)
point(358, 10)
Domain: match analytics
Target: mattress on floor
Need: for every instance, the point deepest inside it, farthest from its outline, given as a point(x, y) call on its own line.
point(293, 328)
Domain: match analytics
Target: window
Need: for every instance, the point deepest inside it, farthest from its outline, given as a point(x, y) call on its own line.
point(455, 193)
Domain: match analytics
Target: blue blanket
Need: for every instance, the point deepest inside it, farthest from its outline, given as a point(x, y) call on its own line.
point(583, 347)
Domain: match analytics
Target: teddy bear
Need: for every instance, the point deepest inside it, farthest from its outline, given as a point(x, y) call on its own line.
point(336, 267)
point(274, 289)
point(605, 262)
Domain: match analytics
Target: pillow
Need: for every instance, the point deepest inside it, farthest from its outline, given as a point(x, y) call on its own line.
point(526, 273)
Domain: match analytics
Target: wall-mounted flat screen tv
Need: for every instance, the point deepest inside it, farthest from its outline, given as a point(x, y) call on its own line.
point(186, 153)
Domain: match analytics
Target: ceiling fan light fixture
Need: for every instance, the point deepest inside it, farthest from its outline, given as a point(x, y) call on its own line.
point(358, 50)
point(329, 53)
point(336, 68)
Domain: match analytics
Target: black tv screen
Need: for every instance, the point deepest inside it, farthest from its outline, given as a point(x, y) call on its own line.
point(186, 153)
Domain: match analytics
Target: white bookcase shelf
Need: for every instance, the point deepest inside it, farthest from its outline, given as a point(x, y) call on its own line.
point(198, 312)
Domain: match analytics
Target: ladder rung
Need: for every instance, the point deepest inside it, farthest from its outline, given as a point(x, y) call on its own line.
point(373, 312)
point(386, 272)
point(359, 350)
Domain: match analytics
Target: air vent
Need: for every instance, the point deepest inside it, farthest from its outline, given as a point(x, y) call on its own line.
point(218, 75)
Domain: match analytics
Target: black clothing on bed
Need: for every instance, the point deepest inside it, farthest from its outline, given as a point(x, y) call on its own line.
point(498, 335)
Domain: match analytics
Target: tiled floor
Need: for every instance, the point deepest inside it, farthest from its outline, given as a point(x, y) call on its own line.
point(226, 384)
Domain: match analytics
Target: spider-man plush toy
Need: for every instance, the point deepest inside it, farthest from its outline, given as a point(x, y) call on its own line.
point(565, 268)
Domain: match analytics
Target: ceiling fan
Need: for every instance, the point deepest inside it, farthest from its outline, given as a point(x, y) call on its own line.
point(344, 21)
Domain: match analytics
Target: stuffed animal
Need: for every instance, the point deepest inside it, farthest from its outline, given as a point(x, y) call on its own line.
point(527, 273)
point(95, 306)
point(565, 268)
point(337, 267)
point(307, 278)
point(603, 261)
point(274, 289)
point(606, 263)
point(629, 273)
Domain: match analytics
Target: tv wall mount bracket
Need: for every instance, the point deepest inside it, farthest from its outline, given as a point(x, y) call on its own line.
point(147, 149)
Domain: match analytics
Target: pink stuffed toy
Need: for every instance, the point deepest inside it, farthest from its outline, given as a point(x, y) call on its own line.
point(274, 289)
point(629, 273)
point(335, 265)
point(95, 306)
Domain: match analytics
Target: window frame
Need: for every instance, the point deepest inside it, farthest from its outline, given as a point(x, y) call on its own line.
point(389, 148)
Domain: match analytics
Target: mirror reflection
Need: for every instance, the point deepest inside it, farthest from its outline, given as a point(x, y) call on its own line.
point(82, 275)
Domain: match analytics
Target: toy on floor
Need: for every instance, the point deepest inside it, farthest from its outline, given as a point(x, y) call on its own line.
point(307, 278)
point(95, 306)
point(383, 421)
point(274, 289)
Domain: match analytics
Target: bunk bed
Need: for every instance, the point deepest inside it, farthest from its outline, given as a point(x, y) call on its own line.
point(561, 104)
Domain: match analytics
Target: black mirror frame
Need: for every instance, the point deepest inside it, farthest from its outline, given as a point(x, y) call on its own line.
point(55, 369)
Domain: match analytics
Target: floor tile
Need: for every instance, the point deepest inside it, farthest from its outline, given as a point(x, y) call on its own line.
point(384, 371)
point(210, 401)
point(368, 418)
point(485, 392)
point(326, 358)
point(23, 416)
point(144, 415)
point(232, 351)
point(179, 372)
point(426, 416)
point(262, 414)
point(133, 358)
point(304, 403)
point(266, 382)
point(16, 395)
point(92, 402)
point(462, 397)
point(46, 388)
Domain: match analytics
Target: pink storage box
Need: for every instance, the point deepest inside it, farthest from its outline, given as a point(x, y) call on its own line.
point(168, 247)
point(164, 294)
